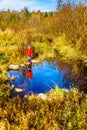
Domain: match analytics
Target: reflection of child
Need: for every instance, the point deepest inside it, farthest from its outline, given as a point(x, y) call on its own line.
point(29, 53)
point(29, 74)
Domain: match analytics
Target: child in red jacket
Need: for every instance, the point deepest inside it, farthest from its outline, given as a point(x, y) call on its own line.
point(29, 53)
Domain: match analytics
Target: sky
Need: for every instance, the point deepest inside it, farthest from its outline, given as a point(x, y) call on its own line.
point(32, 5)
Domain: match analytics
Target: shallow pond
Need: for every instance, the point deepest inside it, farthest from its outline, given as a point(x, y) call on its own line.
point(40, 78)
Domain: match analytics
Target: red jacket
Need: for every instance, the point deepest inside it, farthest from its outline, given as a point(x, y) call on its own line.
point(29, 52)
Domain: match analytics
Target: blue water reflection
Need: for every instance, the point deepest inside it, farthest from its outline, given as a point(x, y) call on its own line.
point(44, 77)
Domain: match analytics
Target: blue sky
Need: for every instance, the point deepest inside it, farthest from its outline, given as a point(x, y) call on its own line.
point(33, 5)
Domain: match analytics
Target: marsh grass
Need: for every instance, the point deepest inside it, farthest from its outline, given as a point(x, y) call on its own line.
point(58, 48)
point(65, 111)
point(65, 49)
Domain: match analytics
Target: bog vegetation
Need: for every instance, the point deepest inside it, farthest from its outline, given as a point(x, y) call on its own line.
point(61, 35)
point(60, 111)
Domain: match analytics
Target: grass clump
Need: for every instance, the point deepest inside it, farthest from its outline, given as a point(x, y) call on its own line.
point(56, 92)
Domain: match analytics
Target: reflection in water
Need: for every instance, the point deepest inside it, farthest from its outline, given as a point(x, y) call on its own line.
point(40, 78)
point(29, 72)
point(82, 82)
point(69, 78)
point(79, 78)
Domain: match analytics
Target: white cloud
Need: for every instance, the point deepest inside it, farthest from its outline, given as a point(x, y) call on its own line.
point(31, 4)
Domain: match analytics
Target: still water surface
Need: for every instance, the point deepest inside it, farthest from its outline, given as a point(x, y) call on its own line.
point(44, 77)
